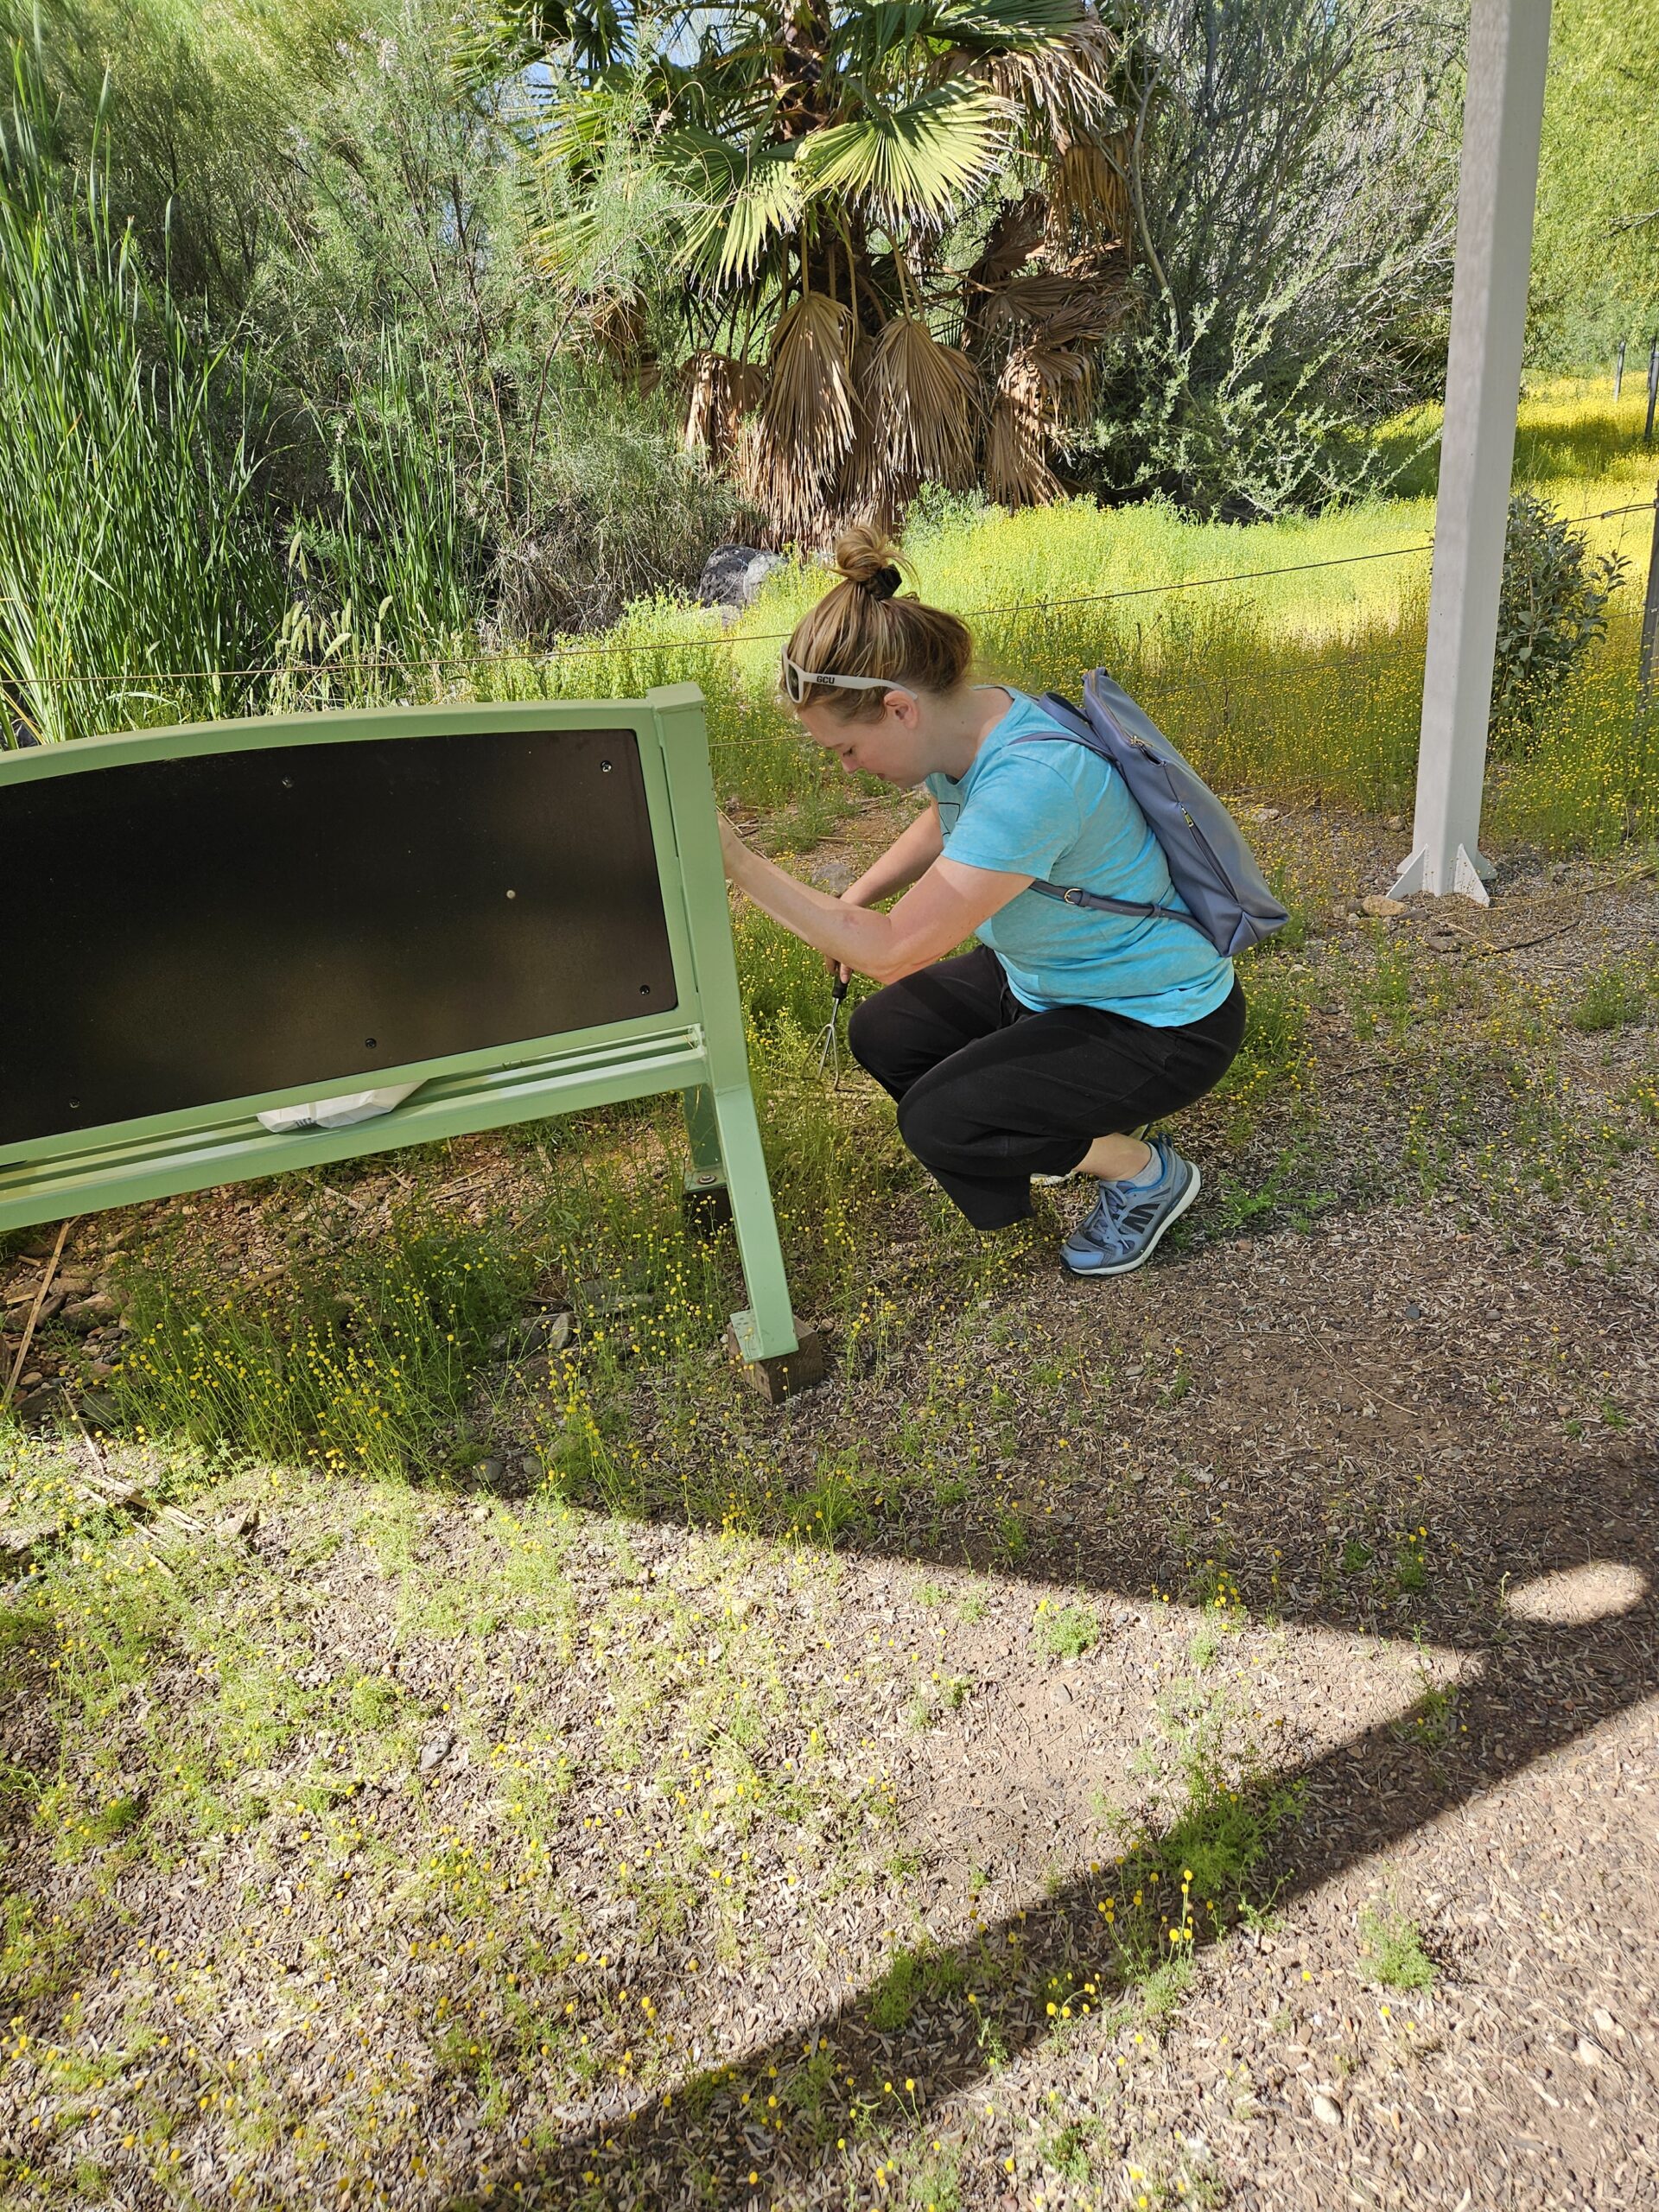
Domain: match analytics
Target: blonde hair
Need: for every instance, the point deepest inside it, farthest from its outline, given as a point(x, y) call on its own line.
point(859, 628)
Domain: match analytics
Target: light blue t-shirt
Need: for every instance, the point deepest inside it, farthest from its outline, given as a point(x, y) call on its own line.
point(1058, 811)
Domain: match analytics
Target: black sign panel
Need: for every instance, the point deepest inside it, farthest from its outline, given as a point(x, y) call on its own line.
point(189, 931)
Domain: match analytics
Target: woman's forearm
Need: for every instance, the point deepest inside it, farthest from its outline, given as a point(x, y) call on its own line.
point(852, 935)
point(943, 906)
point(906, 861)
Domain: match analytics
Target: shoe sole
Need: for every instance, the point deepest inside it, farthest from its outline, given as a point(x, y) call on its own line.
point(1129, 1267)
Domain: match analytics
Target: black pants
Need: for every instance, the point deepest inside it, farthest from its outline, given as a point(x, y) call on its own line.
point(990, 1094)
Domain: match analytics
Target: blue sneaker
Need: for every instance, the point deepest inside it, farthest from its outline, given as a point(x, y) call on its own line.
point(1122, 1228)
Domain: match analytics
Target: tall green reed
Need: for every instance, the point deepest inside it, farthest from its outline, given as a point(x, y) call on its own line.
point(390, 582)
point(133, 534)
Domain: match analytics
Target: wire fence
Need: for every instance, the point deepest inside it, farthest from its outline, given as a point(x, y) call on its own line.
point(340, 666)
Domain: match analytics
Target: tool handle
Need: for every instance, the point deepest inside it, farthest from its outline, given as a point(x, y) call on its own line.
point(839, 991)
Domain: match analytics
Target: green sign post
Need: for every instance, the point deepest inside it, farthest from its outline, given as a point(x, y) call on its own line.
point(519, 909)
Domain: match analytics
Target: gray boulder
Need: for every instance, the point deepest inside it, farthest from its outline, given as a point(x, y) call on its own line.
point(733, 574)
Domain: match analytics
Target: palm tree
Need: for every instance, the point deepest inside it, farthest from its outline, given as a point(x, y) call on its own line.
point(894, 233)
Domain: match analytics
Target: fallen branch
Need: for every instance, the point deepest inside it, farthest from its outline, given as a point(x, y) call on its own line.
point(35, 1313)
point(1522, 944)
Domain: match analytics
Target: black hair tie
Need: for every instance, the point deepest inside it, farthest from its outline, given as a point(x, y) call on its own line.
point(884, 583)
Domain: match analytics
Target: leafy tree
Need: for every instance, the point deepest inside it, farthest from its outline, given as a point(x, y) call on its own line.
point(200, 110)
point(896, 232)
point(1596, 245)
point(447, 444)
point(1294, 168)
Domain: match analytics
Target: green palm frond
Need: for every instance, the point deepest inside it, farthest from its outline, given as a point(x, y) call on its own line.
point(912, 161)
point(1009, 22)
point(746, 198)
point(510, 33)
point(867, 39)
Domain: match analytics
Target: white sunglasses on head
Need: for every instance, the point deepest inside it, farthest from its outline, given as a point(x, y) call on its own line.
point(796, 681)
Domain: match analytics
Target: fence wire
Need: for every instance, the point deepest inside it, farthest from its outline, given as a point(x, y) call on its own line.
point(300, 672)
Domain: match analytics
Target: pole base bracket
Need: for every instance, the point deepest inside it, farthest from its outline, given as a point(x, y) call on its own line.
point(705, 1202)
point(1470, 876)
point(787, 1373)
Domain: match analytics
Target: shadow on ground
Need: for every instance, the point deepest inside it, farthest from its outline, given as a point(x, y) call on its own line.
point(1536, 1687)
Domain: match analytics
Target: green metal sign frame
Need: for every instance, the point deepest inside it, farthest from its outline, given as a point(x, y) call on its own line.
point(696, 1049)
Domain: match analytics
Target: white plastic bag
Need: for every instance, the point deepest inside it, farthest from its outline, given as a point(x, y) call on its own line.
point(335, 1112)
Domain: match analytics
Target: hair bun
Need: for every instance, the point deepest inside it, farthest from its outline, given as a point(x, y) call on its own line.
point(867, 557)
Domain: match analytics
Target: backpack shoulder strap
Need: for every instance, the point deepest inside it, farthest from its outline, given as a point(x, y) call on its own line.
point(1073, 723)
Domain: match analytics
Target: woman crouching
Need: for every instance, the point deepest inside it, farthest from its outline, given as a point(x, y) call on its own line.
point(1038, 1053)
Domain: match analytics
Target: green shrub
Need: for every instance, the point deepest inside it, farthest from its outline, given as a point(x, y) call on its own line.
point(1068, 1632)
point(1551, 610)
point(1611, 1000)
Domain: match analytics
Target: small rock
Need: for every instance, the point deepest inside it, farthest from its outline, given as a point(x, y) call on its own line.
point(231, 1528)
point(1589, 2053)
point(435, 1750)
point(491, 1471)
point(479, 1512)
point(1384, 909)
point(550, 1333)
point(19, 1538)
point(87, 1312)
point(1326, 2110)
point(1395, 822)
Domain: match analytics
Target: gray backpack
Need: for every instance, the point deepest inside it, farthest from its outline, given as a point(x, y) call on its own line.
point(1210, 864)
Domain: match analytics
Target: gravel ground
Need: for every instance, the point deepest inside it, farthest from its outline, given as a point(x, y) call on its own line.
point(1363, 1481)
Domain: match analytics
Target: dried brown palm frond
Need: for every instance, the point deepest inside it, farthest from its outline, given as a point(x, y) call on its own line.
point(617, 324)
point(1045, 381)
point(1013, 237)
point(920, 410)
point(1017, 474)
point(805, 426)
point(719, 392)
point(1088, 197)
point(1075, 83)
point(1025, 302)
point(1072, 307)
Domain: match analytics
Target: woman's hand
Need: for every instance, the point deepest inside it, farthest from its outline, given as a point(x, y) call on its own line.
point(839, 968)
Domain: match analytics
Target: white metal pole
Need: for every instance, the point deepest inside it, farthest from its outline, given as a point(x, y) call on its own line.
point(1503, 118)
